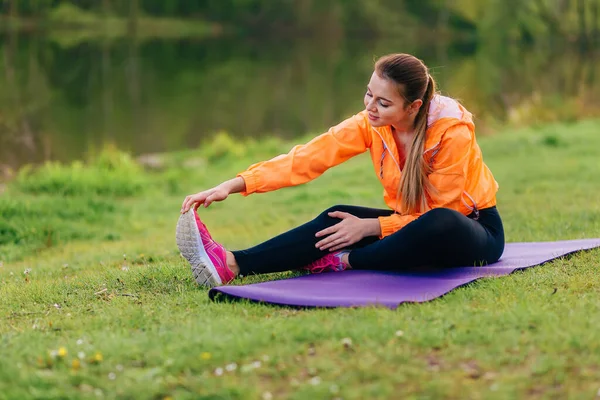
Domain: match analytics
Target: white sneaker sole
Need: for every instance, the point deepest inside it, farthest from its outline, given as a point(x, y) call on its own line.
point(190, 245)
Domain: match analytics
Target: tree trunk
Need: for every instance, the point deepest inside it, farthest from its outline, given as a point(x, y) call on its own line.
point(441, 45)
point(24, 132)
point(562, 6)
point(133, 67)
point(582, 25)
point(13, 9)
point(595, 16)
point(105, 7)
point(133, 16)
point(107, 96)
point(552, 20)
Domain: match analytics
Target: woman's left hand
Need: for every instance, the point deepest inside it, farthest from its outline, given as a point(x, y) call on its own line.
point(345, 233)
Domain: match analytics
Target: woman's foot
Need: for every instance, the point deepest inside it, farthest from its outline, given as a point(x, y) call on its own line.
point(334, 262)
point(207, 258)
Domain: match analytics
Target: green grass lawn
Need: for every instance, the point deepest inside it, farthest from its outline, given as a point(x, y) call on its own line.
point(96, 301)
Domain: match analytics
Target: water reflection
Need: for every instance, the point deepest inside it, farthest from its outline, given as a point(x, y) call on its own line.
point(65, 101)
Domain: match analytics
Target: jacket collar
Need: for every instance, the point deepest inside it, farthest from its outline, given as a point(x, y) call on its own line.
point(444, 112)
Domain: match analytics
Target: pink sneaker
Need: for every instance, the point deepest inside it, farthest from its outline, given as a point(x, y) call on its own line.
point(207, 258)
point(330, 263)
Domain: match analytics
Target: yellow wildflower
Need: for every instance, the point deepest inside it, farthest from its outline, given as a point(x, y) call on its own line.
point(97, 358)
point(205, 356)
point(62, 352)
point(75, 364)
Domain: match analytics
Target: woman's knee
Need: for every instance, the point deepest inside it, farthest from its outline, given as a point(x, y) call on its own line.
point(339, 207)
point(442, 220)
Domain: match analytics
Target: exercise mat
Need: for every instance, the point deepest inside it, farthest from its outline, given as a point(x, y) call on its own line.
point(356, 288)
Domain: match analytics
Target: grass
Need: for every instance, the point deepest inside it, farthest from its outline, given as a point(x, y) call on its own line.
point(107, 308)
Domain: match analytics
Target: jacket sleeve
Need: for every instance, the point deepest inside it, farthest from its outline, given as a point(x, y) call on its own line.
point(308, 161)
point(449, 176)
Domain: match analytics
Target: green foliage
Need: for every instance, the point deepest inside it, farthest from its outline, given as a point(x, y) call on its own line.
point(500, 19)
point(69, 14)
point(55, 204)
point(113, 173)
point(223, 147)
point(196, 84)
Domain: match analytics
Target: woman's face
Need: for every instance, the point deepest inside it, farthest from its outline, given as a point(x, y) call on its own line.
point(386, 106)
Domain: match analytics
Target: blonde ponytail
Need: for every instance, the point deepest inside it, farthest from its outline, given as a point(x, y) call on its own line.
point(414, 184)
point(414, 83)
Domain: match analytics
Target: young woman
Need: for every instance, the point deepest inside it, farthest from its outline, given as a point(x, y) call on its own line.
point(442, 197)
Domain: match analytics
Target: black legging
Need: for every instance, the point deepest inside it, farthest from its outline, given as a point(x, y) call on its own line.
point(440, 237)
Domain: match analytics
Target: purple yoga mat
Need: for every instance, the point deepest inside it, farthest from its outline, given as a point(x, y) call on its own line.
point(366, 288)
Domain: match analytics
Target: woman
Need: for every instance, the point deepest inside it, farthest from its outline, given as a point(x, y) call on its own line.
point(442, 197)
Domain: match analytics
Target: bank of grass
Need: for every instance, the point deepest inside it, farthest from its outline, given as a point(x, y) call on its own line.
point(107, 308)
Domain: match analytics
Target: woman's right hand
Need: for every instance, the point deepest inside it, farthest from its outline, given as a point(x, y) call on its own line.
point(218, 193)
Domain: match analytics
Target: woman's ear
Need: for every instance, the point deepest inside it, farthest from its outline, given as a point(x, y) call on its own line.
point(415, 106)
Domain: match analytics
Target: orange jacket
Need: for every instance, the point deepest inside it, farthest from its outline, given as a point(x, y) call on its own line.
point(463, 182)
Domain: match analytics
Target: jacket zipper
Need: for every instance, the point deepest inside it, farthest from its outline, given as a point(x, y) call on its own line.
point(434, 147)
point(474, 208)
point(386, 149)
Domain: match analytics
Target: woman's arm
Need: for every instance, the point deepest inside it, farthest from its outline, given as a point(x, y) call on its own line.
point(306, 162)
point(218, 193)
point(302, 164)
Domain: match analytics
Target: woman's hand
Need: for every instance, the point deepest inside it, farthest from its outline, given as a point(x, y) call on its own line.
point(348, 231)
point(218, 193)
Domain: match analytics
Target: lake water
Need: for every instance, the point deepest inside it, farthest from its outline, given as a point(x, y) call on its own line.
point(64, 98)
